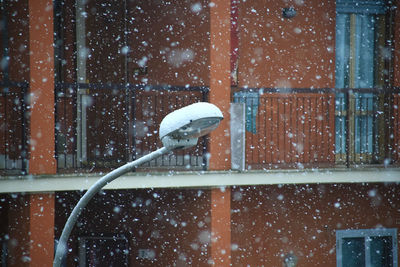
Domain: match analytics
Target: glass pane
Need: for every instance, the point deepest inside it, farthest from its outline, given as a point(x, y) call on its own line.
point(364, 51)
point(381, 251)
point(342, 50)
point(107, 252)
point(353, 252)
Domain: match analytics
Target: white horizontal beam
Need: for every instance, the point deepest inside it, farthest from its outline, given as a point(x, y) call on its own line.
point(198, 179)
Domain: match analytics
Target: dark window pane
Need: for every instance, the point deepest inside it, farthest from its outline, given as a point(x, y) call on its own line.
point(353, 252)
point(381, 251)
point(106, 252)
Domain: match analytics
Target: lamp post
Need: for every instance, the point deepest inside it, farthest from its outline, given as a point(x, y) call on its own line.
point(178, 130)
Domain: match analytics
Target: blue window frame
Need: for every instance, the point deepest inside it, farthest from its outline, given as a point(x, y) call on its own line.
point(251, 101)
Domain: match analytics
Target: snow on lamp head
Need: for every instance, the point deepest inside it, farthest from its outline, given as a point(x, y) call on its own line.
point(179, 129)
point(182, 128)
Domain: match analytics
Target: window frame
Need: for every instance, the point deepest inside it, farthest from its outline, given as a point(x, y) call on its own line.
point(82, 247)
point(365, 233)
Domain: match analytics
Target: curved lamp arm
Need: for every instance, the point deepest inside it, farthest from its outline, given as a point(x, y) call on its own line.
point(179, 129)
point(93, 190)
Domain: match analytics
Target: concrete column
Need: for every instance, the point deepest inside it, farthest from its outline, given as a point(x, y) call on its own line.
point(41, 65)
point(221, 226)
point(220, 83)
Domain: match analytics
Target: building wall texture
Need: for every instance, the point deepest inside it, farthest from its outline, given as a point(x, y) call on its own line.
point(286, 53)
point(267, 222)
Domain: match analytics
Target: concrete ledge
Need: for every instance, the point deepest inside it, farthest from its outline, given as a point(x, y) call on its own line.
point(198, 179)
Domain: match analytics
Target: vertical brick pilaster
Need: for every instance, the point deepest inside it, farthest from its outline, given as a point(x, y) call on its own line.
point(220, 81)
point(221, 226)
point(41, 81)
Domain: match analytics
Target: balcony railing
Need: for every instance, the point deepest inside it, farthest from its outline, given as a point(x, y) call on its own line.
point(299, 128)
point(99, 126)
point(13, 128)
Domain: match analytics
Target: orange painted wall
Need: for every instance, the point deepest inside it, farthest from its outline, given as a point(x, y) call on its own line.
point(289, 53)
point(270, 221)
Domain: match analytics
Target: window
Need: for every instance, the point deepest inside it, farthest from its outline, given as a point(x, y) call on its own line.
point(361, 34)
point(103, 251)
point(367, 247)
point(360, 41)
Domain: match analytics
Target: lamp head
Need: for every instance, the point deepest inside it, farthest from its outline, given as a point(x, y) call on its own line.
point(182, 128)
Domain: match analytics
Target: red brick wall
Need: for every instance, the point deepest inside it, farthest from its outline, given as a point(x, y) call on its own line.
point(267, 221)
point(291, 53)
point(270, 221)
point(173, 39)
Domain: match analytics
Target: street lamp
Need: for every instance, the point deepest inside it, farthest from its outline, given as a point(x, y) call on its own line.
point(178, 130)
